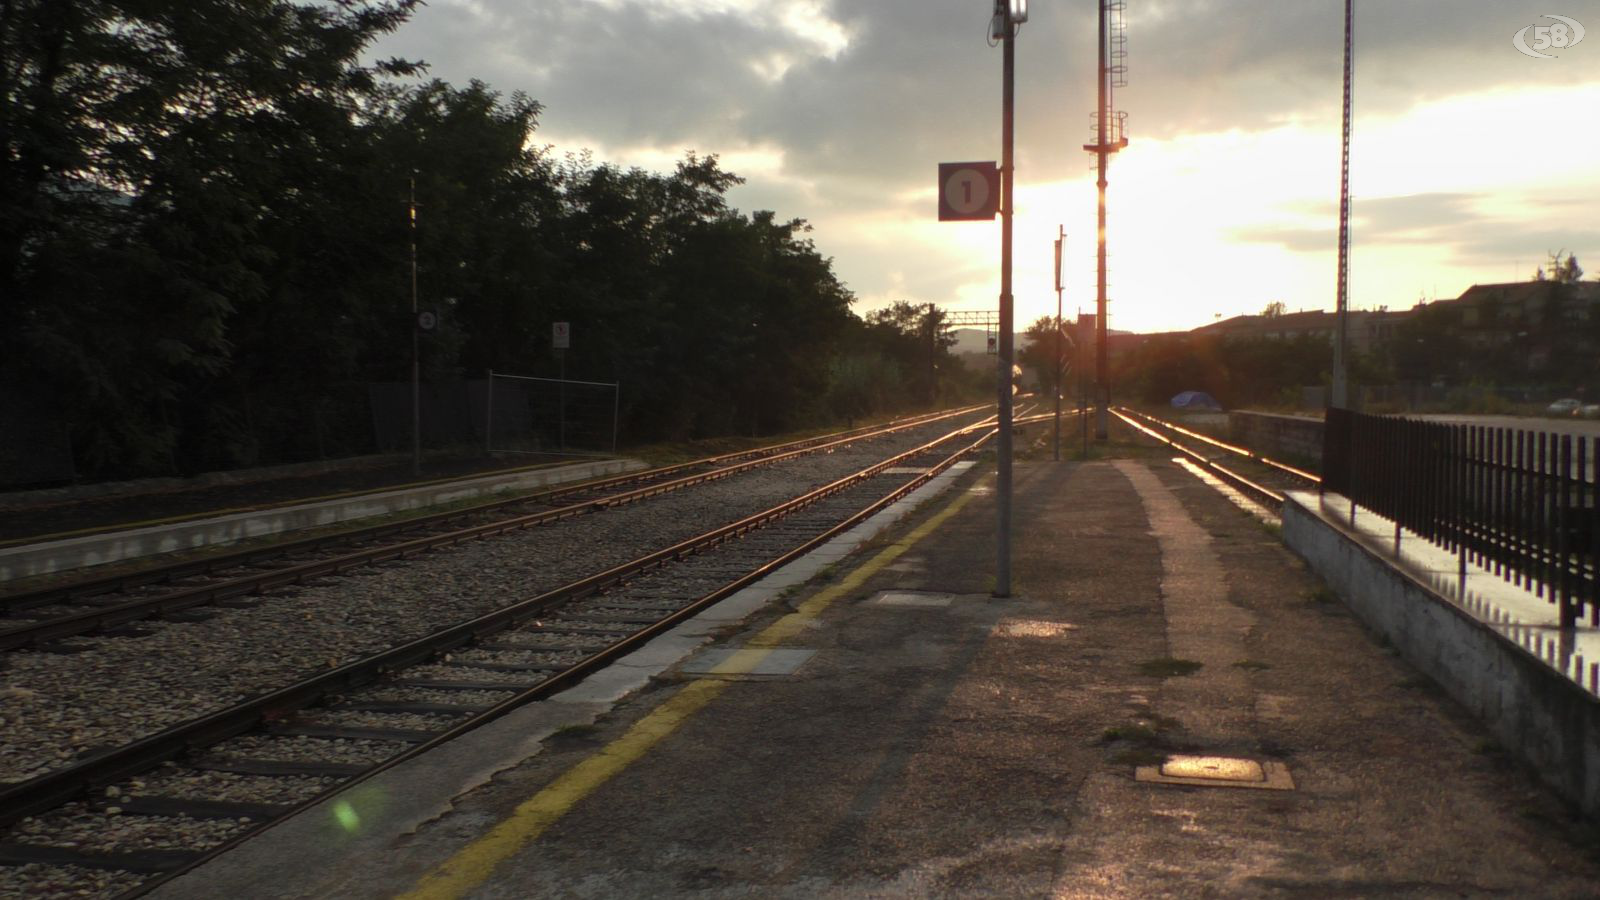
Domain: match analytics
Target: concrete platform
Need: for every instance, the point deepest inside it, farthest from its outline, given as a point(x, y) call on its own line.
point(1494, 646)
point(975, 746)
point(70, 553)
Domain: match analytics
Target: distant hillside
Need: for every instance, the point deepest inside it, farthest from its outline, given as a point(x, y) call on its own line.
point(970, 340)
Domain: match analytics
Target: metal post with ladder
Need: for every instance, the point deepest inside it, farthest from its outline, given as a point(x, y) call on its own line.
point(1110, 136)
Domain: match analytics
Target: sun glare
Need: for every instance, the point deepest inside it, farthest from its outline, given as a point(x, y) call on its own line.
point(1215, 225)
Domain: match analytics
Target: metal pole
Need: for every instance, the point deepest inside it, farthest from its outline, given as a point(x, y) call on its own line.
point(1061, 241)
point(1341, 380)
point(561, 400)
point(488, 419)
point(1083, 397)
point(616, 409)
point(1102, 393)
point(1002, 580)
point(416, 352)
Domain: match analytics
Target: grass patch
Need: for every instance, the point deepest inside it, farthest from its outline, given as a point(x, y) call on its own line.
point(1137, 732)
point(1321, 595)
point(1141, 742)
point(1252, 665)
point(1169, 667)
point(1139, 756)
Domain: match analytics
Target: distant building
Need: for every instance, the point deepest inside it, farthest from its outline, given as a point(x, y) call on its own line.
point(1484, 315)
point(1497, 307)
point(1368, 329)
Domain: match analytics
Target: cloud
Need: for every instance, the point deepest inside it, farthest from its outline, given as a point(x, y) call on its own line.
point(838, 111)
point(1435, 219)
point(874, 92)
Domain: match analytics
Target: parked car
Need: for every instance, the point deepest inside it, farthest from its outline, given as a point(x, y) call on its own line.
point(1566, 406)
point(1589, 411)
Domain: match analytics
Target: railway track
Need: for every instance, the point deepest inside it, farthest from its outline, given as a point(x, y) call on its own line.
point(1262, 479)
point(152, 806)
point(43, 617)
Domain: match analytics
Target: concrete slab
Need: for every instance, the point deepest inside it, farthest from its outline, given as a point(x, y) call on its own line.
point(99, 549)
point(910, 599)
point(741, 663)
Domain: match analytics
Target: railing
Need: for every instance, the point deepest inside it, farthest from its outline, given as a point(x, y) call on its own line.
point(1521, 504)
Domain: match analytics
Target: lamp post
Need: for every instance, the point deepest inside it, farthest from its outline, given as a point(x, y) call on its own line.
point(1061, 241)
point(1008, 14)
point(416, 352)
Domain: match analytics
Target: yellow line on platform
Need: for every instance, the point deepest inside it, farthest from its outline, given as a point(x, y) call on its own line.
point(473, 864)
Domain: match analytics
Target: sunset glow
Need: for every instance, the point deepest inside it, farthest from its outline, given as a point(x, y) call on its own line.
point(1470, 162)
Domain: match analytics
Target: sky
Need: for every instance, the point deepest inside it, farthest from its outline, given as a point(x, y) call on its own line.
point(1470, 161)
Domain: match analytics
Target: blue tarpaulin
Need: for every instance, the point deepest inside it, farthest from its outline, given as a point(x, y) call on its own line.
point(1195, 400)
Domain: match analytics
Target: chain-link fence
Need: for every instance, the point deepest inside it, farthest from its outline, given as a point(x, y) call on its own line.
point(550, 415)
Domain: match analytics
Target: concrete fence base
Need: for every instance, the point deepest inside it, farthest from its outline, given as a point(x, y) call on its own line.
point(1534, 711)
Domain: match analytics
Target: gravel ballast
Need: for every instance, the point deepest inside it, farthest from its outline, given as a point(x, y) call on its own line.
point(56, 706)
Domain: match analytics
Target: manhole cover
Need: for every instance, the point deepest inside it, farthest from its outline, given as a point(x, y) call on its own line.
point(1218, 771)
point(1032, 628)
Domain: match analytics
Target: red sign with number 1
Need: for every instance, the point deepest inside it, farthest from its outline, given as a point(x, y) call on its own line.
point(968, 191)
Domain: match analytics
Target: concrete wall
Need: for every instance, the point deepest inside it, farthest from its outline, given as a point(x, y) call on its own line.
point(1287, 438)
point(1540, 716)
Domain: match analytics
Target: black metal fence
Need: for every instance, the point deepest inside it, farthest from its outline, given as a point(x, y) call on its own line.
point(1518, 503)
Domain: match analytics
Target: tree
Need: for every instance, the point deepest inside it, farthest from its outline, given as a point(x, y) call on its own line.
point(1274, 309)
point(919, 339)
point(1039, 350)
point(145, 148)
point(1562, 271)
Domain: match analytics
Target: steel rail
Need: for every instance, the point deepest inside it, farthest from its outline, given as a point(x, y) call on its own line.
point(168, 572)
point(74, 624)
point(1246, 452)
point(1258, 492)
point(70, 782)
point(92, 531)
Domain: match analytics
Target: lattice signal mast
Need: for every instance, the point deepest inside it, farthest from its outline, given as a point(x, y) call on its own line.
point(1340, 394)
point(1110, 135)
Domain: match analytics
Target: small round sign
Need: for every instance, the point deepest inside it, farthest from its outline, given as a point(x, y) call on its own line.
point(967, 191)
point(427, 320)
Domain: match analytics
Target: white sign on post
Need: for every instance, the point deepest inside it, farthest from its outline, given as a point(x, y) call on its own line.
point(560, 335)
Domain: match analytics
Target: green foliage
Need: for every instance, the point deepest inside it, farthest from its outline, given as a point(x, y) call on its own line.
point(1038, 353)
point(205, 248)
point(916, 341)
point(152, 157)
point(1237, 371)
